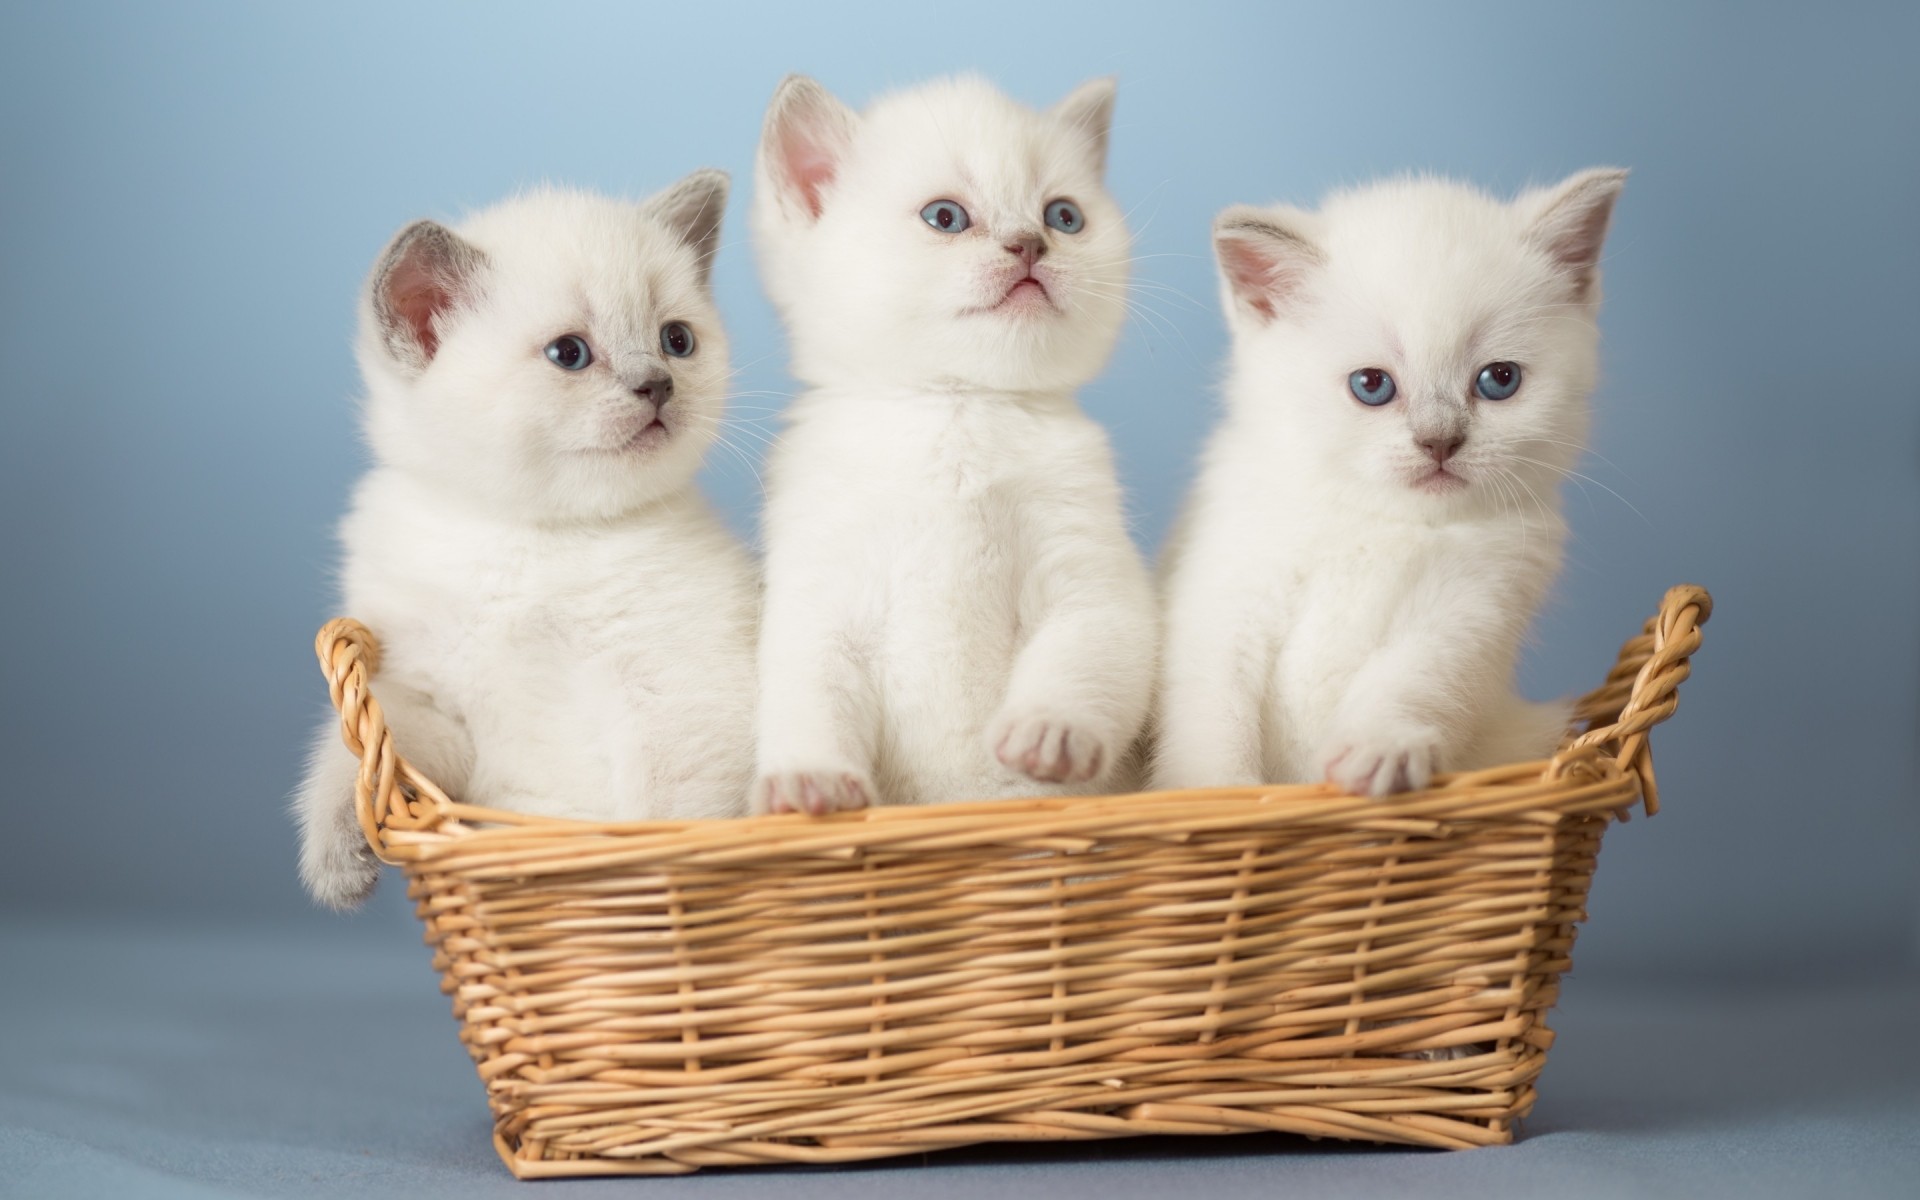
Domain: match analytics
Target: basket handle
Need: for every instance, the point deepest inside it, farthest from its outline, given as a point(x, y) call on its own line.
point(389, 793)
point(1642, 690)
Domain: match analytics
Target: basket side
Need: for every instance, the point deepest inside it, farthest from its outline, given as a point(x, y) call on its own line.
point(1329, 982)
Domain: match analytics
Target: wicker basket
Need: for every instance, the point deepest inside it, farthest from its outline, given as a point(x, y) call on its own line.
point(653, 998)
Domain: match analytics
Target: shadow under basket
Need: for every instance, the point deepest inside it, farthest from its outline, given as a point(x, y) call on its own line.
point(654, 998)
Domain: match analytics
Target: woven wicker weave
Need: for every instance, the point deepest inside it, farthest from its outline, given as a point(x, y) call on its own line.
point(655, 998)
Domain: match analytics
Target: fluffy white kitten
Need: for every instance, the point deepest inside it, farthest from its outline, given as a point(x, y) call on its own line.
point(954, 609)
point(1377, 519)
point(566, 627)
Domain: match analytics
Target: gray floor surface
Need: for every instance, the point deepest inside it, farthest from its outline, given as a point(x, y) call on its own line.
point(237, 1064)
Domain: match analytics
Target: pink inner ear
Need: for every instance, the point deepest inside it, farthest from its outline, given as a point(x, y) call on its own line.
point(1248, 272)
point(417, 293)
point(1264, 263)
point(1255, 274)
point(809, 166)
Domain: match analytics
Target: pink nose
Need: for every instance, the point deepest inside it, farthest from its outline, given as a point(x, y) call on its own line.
point(1028, 246)
point(1441, 448)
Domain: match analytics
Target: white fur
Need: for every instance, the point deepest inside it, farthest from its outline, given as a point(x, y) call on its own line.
point(566, 627)
point(1332, 611)
point(954, 609)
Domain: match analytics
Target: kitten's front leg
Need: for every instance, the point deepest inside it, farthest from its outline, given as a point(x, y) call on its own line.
point(1082, 685)
point(819, 717)
point(1409, 708)
point(1388, 733)
point(336, 864)
point(1079, 695)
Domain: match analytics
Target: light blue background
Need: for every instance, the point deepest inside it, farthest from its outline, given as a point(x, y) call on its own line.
point(190, 195)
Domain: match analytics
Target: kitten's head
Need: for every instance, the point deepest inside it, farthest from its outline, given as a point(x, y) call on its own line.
point(1417, 343)
point(557, 357)
point(948, 236)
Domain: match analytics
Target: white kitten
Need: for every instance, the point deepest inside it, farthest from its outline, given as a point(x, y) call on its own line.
point(954, 609)
point(566, 628)
point(1377, 517)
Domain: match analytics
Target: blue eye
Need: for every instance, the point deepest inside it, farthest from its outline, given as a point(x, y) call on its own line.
point(676, 339)
point(1065, 216)
point(1498, 381)
point(569, 352)
point(946, 216)
point(1371, 386)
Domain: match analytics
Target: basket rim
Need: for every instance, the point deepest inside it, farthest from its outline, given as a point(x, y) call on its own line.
point(529, 851)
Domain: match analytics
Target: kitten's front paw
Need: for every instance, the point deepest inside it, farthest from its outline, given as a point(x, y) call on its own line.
point(1380, 761)
point(1047, 748)
point(337, 866)
point(818, 791)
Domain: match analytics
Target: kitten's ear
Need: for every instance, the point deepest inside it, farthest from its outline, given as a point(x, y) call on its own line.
point(1569, 221)
point(1089, 109)
point(426, 272)
point(804, 143)
point(1266, 255)
point(693, 208)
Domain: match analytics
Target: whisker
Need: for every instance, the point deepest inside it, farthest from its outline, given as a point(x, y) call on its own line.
point(1581, 479)
point(1584, 449)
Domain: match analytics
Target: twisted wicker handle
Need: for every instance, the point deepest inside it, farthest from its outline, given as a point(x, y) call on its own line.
point(389, 793)
point(1642, 690)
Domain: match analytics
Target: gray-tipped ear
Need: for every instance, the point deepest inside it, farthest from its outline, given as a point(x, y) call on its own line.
point(1089, 109)
point(426, 272)
point(1266, 256)
point(693, 209)
point(803, 144)
point(1570, 221)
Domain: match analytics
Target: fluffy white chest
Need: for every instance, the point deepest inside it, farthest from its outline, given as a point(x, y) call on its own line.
point(921, 517)
point(598, 673)
point(943, 625)
point(1318, 602)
